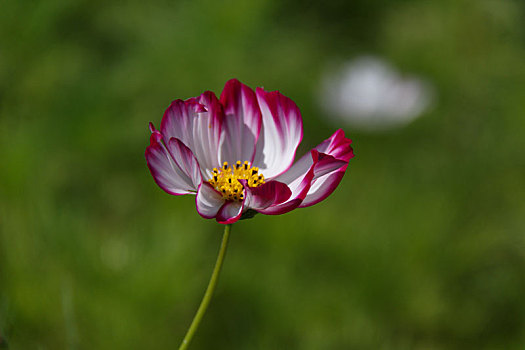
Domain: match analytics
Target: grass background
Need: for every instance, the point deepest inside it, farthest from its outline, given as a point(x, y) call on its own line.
point(420, 247)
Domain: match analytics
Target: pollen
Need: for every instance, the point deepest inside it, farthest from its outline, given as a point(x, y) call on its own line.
point(225, 179)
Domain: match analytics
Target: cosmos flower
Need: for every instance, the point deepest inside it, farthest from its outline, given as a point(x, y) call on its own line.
point(236, 153)
point(369, 94)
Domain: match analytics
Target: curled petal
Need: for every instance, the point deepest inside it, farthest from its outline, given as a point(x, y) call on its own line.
point(269, 193)
point(323, 187)
point(208, 201)
point(281, 133)
point(328, 156)
point(165, 170)
point(326, 164)
point(230, 212)
point(186, 161)
point(338, 146)
point(315, 176)
point(299, 187)
point(242, 123)
point(330, 169)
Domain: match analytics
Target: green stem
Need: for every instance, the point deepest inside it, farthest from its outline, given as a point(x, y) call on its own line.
point(209, 291)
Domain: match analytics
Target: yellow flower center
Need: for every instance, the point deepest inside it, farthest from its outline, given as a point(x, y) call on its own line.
point(225, 179)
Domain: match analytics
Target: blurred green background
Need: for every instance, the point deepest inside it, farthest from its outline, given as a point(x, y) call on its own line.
point(422, 246)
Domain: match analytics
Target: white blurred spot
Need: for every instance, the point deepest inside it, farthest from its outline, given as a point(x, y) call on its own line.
point(371, 95)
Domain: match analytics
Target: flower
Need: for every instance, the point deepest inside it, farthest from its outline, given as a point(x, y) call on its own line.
point(370, 94)
point(235, 154)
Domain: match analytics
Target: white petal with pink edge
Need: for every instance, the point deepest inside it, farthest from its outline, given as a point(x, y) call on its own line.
point(330, 167)
point(166, 173)
point(185, 161)
point(269, 193)
point(322, 187)
point(197, 122)
point(242, 123)
point(298, 179)
point(230, 212)
point(314, 168)
point(281, 133)
point(208, 201)
point(298, 185)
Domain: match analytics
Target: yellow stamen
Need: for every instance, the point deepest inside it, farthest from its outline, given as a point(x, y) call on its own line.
point(225, 179)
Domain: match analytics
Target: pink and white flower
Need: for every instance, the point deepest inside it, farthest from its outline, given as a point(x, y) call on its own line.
point(236, 153)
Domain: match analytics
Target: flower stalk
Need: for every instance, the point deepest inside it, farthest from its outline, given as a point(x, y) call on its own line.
point(209, 291)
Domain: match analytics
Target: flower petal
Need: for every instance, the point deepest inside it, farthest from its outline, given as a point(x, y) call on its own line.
point(207, 131)
point(269, 193)
point(326, 164)
point(208, 201)
point(323, 187)
point(230, 212)
point(186, 161)
point(281, 133)
point(242, 123)
point(166, 173)
point(299, 187)
point(315, 175)
point(178, 121)
point(338, 146)
point(197, 122)
point(330, 168)
point(152, 127)
point(328, 156)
